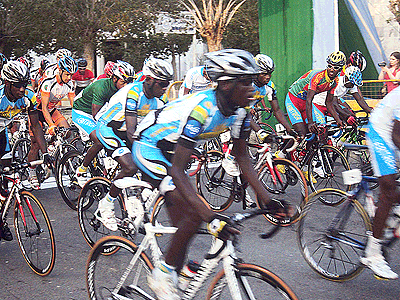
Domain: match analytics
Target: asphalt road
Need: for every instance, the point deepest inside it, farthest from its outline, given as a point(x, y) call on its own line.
point(279, 254)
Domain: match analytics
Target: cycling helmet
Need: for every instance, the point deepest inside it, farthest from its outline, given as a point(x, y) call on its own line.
point(229, 64)
point(44, 64)
point(124, 71)
point(63, 52)
point(68, 64)
point(357, 59)
point(3, 60)
point(336, 58)
point(24, 61)
point(265, 63)
point(15, 71)
point(354, 75)
point(108, 68)
point(82, 63)
point(158, 69)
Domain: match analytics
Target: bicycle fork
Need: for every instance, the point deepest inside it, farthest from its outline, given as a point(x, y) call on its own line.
point(21, 210)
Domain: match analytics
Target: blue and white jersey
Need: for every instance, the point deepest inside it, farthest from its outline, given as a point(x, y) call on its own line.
point(191, 118)
point(9, 109)
point(194, 81)
point(267, 90)
point(130, 98)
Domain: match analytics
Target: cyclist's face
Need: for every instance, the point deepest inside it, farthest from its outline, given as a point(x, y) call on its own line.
point(264, 78)
point(159, 87)
point(17, 90)
point(242, 91)
point(333, 71)
point(66, 76)
point(120, 83)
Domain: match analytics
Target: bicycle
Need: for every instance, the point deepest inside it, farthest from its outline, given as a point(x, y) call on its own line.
point(32, 225)
point(123, 274)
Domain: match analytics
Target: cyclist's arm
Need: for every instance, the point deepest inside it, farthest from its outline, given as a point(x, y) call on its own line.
point(330, 106)
point(309, 100)
point(71, 97)
point(360, 100)
point(278, 113)
point(37, 130)
point(131, 122)
point(181, 180)
point(45, 109)
point(95, 109)
point(240, 152)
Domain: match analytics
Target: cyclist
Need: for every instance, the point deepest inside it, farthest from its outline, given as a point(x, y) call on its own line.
point(3, 61)
point(24, 61)
point(116, 131)
point(301, 93)
point(265, 89)
point(39, 74)
point(14, 99)
point(196, 80)
point(50, 93)
point(383, 138)
point(176, 127)
point(83, 77)
point(108, 70)
point(88, 103)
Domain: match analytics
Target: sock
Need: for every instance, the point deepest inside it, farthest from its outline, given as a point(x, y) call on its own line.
point(374, 246)
point(109, 198)
point(166, 268)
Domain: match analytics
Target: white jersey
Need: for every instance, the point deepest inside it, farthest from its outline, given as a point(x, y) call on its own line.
point(340, 91)
point(195, 81)
point(383, 116)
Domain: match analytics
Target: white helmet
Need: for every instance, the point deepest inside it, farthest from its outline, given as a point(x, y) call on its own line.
point(265, 63)
point(15, 71)
point(354, 75)
point(158, 69)
point(229, 64)
point(124, 71)
point(63, 52)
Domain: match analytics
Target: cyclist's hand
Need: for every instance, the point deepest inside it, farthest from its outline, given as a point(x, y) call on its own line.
point(352, 121)
point(312, 127)
point(48, 159)
point(265, 137)
point(294, 134)
point(52, 130)
point(280, 209)
point(221, 229)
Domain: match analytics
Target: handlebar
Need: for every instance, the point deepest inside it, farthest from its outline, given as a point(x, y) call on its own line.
point(21, 166)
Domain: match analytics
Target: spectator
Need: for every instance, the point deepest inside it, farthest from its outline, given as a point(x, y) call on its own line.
point(390, 72)
point(83, 77)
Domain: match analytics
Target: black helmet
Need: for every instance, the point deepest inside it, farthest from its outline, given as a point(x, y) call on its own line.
point(82, 63)
point(230, 63)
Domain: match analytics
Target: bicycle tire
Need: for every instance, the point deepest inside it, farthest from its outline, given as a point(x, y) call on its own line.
point(333, 253)
point(252, 280)
point(34, 234)
point(215, 184)
point(334, 164)
point(289, 185)
point(92, 229)
point(58, 155)
point(103, 272)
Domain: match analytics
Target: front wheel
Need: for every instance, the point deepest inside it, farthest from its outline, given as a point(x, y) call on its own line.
point(34, 234)
point(254, 282)
point(332, 237)
point(117, 276)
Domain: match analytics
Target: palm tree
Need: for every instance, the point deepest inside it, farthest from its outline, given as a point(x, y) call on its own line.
point(212, 20)
point(394, 7)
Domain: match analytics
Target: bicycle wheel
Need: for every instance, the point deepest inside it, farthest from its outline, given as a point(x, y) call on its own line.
point(34, 234)
point(284, 181)
point(325, 169)
point(213, 144)
point(332, 243)
point(92, 229)
point(19, 154)
point(65, 148)
point(254, 282)
point(215, 184)
point(117, 276)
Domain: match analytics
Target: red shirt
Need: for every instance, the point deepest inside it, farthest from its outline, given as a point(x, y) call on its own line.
point(83, 80)
point(104, 75)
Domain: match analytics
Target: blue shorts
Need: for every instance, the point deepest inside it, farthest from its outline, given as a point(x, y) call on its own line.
point(296, 109)
point(383, 153)
point(85, 123)
point(113, 143)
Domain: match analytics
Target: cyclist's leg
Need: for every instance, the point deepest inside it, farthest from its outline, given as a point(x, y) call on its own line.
point(34, 153)
point(293, 108)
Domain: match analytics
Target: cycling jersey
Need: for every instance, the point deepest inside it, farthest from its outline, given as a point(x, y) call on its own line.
point(83, 80)
point(340, 91)
point(55, 90)
point(184, 121)
point(139, 77)
point(383, 151)
point(194, 81)
point(267, 90)
point(50, 71)
point(316, 80)
point(130, 98)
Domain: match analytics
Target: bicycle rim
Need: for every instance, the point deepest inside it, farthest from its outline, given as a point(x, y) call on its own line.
point(104, 272)
point(34, 234)
point(333, 249)
point(254, 282)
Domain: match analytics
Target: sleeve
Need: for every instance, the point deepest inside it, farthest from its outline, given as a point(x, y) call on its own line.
point(241, 127)
point(132, 100)
point(99, 95)
point(90, 74)
point(333, 88)
point(315, 80)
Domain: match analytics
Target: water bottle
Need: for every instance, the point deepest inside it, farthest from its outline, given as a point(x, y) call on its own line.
point(187, 273)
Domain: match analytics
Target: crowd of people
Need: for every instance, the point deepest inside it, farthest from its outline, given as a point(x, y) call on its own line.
point(125, 113)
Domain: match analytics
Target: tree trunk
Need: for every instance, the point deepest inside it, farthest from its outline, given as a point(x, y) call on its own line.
point(214, 44)
point(89, 55)
point(174, 66)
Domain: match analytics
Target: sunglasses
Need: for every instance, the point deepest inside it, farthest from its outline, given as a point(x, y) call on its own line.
point(19, 85)
point(128, 79)
point(162, 83)
point(82, 69)
point(246, 80)
point(334, 67)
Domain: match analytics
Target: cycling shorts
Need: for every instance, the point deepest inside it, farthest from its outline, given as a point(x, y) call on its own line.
point(114, 142)
point(85, 123)
point(383, 153)
point(296, 109)
point(56, 117)
point(4, 142)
